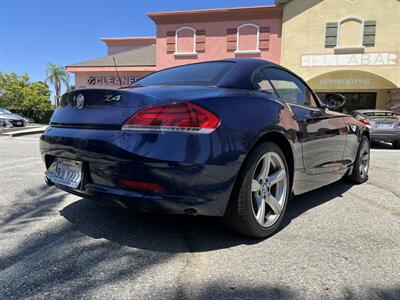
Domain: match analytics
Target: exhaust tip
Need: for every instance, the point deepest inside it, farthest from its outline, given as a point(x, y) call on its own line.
point(48, 181)
point(190, 211)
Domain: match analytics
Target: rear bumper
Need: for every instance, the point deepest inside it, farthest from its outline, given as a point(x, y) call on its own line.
point(196, 175)
point(385, 136)
point(168, 204)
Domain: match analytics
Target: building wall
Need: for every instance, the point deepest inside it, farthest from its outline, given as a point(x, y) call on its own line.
point(216, 42)
point(106, 79)
point(393, 102)
point(303, 32)
point(120, 45)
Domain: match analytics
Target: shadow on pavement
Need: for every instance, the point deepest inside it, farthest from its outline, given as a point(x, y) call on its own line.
point(42, 201)
point(154, 232)
point(286, 292)
point(307, 201)
point(382, 145)
point(165, 232)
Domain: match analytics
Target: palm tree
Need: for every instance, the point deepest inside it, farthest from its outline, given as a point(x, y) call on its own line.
point(56, 75)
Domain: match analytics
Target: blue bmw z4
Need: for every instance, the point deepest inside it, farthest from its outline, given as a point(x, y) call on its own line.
point(233, 138)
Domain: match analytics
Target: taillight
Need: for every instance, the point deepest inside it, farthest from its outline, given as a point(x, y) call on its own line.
point(174, 116)
point(364, 121)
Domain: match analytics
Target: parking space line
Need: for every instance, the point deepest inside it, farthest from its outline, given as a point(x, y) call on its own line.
point(21, 165)
point(35, 138)
point(17, 160)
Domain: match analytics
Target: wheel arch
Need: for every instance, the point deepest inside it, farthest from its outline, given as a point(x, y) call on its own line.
point(282, 140)
point(367, 134)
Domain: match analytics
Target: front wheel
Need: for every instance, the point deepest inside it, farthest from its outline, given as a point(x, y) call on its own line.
point(259, 199)
point(396, 145)
point(361, 164)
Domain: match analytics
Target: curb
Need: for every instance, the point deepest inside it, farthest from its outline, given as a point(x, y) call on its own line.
point(13, 129)
point(24, 132)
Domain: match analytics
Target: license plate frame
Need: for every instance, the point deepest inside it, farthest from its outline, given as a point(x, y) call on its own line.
point(66, 172)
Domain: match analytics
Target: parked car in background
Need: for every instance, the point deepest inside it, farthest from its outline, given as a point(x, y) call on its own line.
point(231, 138)
point(383, 125)
point(9, 119)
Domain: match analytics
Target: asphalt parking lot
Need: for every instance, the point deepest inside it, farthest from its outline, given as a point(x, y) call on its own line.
point(341, 241)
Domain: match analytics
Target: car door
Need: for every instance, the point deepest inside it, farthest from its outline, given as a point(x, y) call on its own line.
point(322, 133)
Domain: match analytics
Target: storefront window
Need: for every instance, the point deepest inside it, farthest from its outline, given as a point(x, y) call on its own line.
point(355, 101)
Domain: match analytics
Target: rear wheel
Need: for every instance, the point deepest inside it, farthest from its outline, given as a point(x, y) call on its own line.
point(396, 145)
point(259, 200)
point(361, 165)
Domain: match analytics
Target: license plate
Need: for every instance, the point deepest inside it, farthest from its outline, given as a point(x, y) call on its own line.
point(385, 125)
point(66, 172)
point(19, 123)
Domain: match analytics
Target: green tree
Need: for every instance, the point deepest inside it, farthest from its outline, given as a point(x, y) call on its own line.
point(36, 97)
point(11, 87)
point(57, 76)
point(18, 93)
point(71, 88)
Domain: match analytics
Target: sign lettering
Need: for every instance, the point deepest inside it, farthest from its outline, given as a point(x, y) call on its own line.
point(111, 80)
point(356, 82)
point(332, 60)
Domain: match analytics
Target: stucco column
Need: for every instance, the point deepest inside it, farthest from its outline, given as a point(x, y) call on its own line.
point(393, 103)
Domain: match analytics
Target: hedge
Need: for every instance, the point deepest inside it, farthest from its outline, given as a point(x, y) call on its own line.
point(39, 116)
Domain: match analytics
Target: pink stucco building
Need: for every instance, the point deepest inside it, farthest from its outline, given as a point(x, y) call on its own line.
point(190, 36)
point(184, 37)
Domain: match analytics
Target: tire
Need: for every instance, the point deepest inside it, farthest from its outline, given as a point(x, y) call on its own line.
point(396, 145)
point(244, 213)
point(360, 171)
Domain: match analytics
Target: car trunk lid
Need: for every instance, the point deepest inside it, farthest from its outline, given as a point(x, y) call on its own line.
point(110, 108)
point(98, 108)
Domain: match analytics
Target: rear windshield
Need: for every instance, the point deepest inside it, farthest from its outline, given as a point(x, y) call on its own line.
point(380, 115)
point(209, 73)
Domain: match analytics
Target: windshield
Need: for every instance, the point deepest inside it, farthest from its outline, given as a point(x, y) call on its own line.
point(209, 73)
point(380, 115)
point(4, 111)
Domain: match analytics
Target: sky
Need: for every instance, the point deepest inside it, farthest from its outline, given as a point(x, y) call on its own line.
point(36, 32)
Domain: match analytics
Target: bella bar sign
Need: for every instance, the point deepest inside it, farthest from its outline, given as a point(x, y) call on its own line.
point(331, 60)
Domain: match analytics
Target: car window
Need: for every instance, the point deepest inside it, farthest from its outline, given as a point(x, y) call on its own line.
point(209, 73)
point(357, 116)
point(290, 88)
point(261, 83)
point(4, 111)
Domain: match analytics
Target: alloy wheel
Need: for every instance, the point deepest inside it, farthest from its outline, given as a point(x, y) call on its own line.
point(364, 159)
point(268, 189)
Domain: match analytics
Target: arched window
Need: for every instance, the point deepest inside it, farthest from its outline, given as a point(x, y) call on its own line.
point(185, 40)
point(350, 32)
point(247, 39)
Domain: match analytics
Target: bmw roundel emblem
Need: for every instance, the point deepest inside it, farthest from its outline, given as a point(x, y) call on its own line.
point(80, 101)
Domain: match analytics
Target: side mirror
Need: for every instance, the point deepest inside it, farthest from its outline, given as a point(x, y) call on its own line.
point(334, 101)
